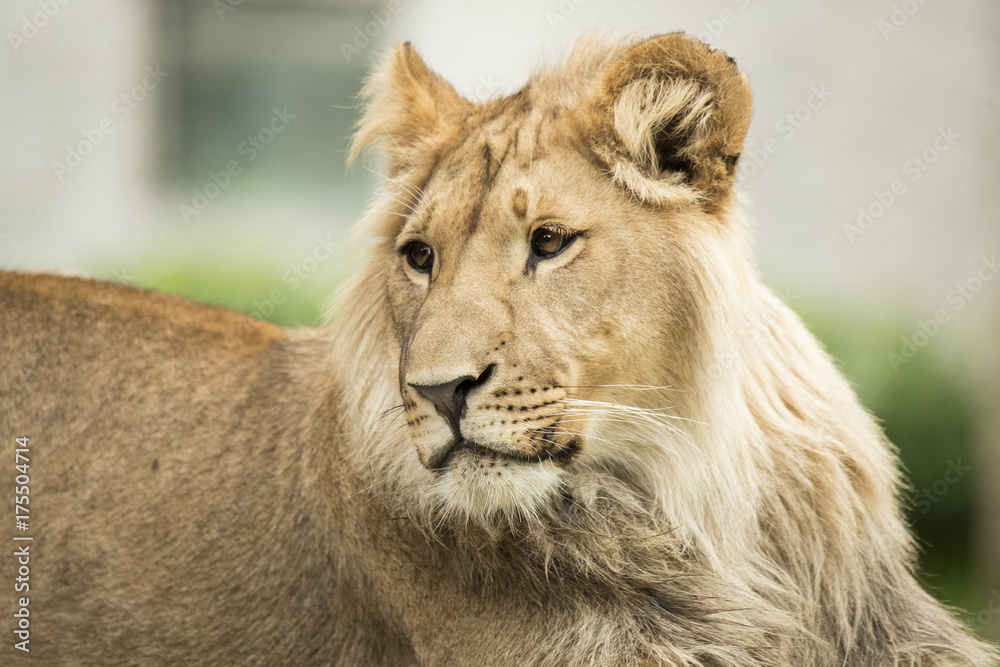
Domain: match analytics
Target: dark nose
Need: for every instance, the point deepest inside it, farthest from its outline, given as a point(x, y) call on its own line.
point(449, 398)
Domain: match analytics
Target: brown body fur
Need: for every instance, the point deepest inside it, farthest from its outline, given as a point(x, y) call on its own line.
point(663, 468)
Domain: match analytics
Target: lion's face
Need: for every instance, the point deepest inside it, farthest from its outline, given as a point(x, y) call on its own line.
point(538, 275)
point(512, 305)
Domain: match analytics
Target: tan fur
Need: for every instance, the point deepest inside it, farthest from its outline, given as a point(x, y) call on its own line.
point(663, 466)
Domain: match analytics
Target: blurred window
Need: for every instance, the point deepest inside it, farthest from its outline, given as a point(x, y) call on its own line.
point(266, 84)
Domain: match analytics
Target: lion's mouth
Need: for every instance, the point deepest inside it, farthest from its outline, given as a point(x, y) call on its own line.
point(440, 462)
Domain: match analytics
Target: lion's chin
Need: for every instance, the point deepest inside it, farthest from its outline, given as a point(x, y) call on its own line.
point(483, 488)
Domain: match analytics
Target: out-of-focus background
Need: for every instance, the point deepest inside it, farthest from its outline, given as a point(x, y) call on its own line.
point(198, 148)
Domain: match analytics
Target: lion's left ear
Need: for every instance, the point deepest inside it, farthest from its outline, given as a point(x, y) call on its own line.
point(672, 113)
point(407, 109)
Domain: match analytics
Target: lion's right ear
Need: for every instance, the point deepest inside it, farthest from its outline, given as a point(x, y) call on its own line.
point(672, 113)
point(407, 108)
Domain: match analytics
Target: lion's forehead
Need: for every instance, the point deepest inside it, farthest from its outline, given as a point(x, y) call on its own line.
point(496, 170)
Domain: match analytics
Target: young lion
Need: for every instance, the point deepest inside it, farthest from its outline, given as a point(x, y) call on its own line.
point(557, 421)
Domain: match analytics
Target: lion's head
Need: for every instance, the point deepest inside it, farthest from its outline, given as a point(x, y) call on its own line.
point(539, 261)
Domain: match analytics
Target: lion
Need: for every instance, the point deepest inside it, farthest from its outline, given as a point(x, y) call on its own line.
point(555, 419)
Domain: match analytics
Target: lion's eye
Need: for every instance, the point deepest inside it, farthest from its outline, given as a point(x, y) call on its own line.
point(548, 242)
point(419, 255)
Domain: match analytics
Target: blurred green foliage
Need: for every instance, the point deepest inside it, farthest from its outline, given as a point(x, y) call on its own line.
point(924, 409)
point(927, 412)
point(242, 286)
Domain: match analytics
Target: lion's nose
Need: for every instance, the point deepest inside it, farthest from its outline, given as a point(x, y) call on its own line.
point(449, 398)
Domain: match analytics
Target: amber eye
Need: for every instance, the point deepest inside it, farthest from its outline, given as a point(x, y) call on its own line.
point(419, 255)
point(548, 242)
